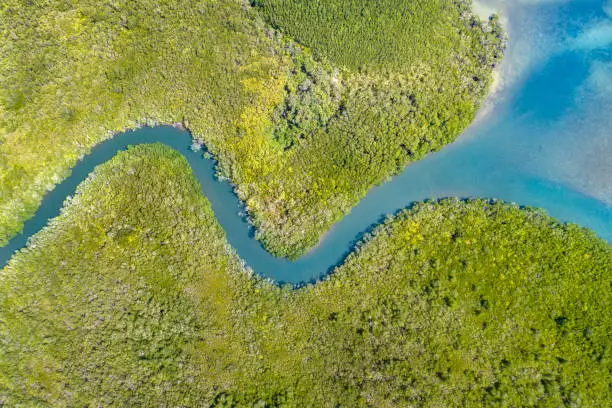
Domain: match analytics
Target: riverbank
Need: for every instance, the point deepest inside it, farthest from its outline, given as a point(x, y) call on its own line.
point(302, 137)
point(133, 296)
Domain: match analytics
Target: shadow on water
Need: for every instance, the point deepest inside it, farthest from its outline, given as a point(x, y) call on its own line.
point(495, 161)
point(549, 93)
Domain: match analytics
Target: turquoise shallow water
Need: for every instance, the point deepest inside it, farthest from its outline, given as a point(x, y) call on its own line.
point(527, 149)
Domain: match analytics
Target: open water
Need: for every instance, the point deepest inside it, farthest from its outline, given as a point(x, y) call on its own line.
point(544, 139)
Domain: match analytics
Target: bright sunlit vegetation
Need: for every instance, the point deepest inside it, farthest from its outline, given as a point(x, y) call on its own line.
point(132, 297)
point(303, 133)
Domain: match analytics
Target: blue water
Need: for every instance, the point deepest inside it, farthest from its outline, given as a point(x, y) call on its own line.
point(506, 155)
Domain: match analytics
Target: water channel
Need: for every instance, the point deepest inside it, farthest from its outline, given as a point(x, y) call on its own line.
point(544, 140)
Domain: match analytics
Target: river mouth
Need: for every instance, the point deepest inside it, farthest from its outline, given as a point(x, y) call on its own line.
point(519, 150)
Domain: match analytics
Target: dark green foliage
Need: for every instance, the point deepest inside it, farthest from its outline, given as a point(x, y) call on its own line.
point(378, 35)
point(351, 130)
point(132, 297)
point(313, 99)
point(302, 138)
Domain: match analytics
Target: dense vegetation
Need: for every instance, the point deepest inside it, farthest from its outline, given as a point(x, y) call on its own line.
point(375, 35)
point(132, 297)
point(302, 133)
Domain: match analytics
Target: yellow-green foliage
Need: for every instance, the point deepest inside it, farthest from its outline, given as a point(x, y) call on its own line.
point(132, 297)
point(301, 138)
point(73, 72)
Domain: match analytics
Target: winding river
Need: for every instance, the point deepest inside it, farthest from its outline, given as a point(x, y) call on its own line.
point(544, 140)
